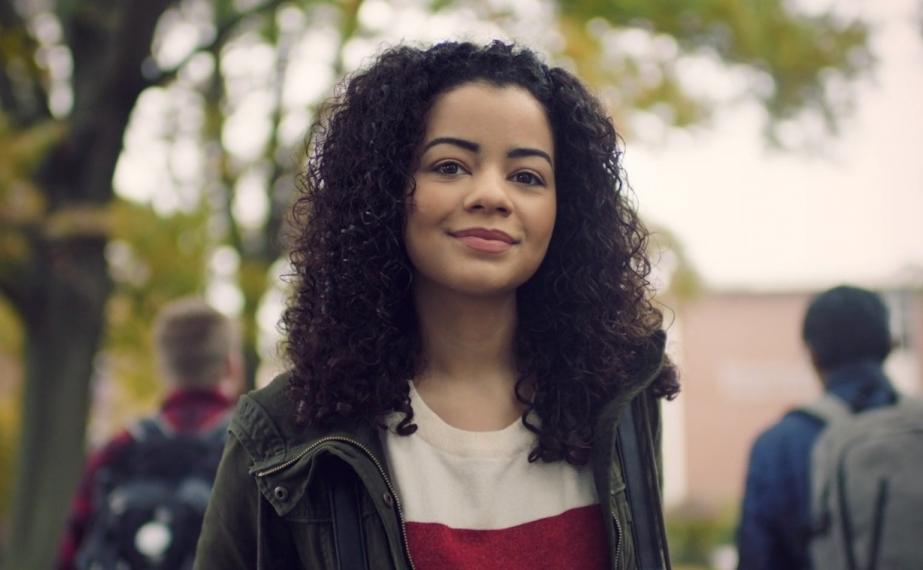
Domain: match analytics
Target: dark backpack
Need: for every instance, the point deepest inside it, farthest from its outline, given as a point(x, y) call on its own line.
point(149, 502)
point(867, 495)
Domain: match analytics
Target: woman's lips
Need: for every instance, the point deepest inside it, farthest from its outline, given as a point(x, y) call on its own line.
point(485, 240)
point(485, 245)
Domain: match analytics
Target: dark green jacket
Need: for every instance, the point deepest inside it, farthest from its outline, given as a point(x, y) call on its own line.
point(270, 507)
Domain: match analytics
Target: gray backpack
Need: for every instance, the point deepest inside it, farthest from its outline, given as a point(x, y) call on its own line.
point(867, 487)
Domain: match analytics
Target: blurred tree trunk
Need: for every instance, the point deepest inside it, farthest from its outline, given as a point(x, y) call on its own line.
point(63, 329)
point(62, 286)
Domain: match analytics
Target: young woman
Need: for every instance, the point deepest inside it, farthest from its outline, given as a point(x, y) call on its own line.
point(471, 318)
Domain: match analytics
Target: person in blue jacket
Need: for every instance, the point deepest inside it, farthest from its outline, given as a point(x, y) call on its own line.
point(847, 334)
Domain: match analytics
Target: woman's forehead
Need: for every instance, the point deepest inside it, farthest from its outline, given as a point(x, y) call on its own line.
point(483, 112)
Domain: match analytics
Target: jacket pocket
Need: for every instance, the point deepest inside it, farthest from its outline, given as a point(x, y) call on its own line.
point(301, 496)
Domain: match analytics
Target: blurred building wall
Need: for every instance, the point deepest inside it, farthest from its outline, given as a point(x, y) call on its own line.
point(743, 365)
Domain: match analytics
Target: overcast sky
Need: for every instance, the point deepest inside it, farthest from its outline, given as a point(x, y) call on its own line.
point(755, 218)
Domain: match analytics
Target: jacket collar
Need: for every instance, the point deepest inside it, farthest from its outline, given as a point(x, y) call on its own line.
point(649, 365)
point(607, 470)
point(859, 383)
point(265, 425)
point(264, 421)
point(650, 362)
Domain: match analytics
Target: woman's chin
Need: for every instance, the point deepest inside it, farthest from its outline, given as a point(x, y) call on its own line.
point(475, 286)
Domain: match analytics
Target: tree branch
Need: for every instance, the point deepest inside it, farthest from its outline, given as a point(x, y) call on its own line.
point(222, 34)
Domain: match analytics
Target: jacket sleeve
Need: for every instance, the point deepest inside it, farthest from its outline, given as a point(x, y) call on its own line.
point(229, 538)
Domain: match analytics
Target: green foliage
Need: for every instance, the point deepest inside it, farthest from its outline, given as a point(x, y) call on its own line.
point(10, 384)
point(10, 332)
point(694, 534)
point(22, 204)
point(9, 436)
point(153, 259)
point(796, 52)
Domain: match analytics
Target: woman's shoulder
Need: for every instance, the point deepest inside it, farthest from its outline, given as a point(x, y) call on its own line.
point(271, 402)
point(273, 398)
point(265, 421)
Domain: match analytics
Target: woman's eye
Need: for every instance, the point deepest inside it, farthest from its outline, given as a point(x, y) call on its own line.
point(527, 178)
point(448, 168)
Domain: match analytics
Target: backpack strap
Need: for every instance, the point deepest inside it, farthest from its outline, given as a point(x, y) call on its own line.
point(156, 426)
point(828, 409)
point(149, 428)
point(912, 404)
point(218, 432)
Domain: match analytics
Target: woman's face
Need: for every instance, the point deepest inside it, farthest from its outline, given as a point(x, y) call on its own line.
point(481, 217)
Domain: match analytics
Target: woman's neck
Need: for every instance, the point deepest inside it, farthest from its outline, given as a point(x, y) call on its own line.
point(469, 369)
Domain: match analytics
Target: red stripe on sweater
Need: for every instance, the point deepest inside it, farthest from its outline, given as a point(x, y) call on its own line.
point(573, 539)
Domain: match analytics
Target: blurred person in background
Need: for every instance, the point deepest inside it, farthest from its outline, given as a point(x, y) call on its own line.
point(846, 331)
point(141, 499)
point(471, 319)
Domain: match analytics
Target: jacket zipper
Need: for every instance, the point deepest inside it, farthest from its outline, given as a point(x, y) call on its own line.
point(618, 543)
point(381, 471)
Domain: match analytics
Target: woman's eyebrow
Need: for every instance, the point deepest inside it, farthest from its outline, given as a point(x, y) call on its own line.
point(475, 147)
point(467, 145)
point(522, 152)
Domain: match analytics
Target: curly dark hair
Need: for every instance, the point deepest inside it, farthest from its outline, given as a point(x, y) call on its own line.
point(584, 318)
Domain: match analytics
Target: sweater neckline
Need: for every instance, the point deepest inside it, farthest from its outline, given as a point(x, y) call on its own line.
point(515, 439)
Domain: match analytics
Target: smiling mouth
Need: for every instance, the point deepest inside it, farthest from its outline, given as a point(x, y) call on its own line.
point(485, 240)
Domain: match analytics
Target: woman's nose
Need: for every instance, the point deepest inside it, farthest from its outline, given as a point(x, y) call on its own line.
point(489, 193)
